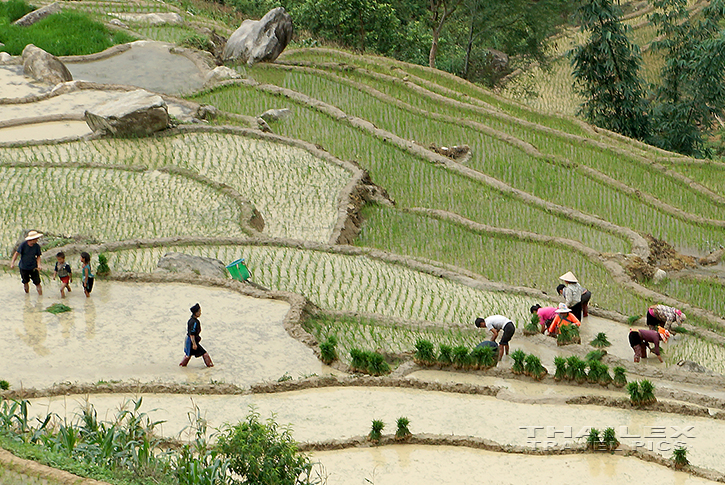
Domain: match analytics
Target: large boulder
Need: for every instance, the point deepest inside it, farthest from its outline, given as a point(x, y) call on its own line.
point(153, 19)
point(135, 113)
point(37, 15)
point(260, 40)
point(185, 263)
point(44, 67)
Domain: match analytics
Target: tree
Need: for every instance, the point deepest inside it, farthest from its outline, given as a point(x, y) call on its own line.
point(690, 95)
point(441, 11)
point(606, 71)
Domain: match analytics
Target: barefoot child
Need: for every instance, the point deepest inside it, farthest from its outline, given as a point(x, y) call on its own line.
point(86, 275)
point(63, 271)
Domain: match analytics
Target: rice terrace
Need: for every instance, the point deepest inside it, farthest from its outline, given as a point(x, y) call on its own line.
point(342, 219)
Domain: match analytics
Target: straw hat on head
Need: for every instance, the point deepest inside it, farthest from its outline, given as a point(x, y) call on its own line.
point(562, 308)
point(33, 235)
point(569, 277)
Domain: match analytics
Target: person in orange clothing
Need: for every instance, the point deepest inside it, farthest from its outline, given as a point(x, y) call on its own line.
point(564, 316)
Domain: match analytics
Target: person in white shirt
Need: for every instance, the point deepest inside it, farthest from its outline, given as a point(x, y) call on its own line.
point(498, 324)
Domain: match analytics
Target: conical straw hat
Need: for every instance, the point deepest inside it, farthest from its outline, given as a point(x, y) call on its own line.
point(569, 277)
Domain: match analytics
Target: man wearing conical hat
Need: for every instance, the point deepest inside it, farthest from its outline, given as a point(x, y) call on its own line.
point(29, 265)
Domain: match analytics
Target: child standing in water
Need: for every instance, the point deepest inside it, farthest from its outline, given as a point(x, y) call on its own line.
point(86, 275)
point(63, 271)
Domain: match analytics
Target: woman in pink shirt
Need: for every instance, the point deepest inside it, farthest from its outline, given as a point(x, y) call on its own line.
point(546, 315)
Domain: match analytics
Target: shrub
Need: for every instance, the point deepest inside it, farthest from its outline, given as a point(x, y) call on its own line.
point(560, 364)
point(402, 432)
point(600, 341)
point(377, 365)
point(260, 453)
point(424, 352)
point(103, 269)
point(461, 357)
point(484, 357)
point(445, 356)
point(328, 354)
point(518, 356)
point(4, 385)
point(679, 457)
point(620, 376)
point(376, 430)
point(609, 439)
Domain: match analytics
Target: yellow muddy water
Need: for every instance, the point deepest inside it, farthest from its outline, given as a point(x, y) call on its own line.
point(53, 130)
point(128, 331)
point(434, 465)
point(338, 413)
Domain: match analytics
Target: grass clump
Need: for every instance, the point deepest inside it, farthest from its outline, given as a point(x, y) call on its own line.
point(560, 364)
point(445, 354)
point(4, 385)
point(532, 327)
point(641, 393)
point(595, 355)
point(402, 432)
point(328, 353)
point(609, 439)
point(461, 357)
point(12, 10)
point(103, 269)
point(600, 341)
point(679, 457)
point(483, 357)
point(424, 352)
point(376, 430)
point(66, 33)
point(57, 308)
point(632, 319)
point(620, 376)
point(593, 441)
point(568, 334)
point(358, 360)
point(533, 367)
point(518, 356)
point(377, 365)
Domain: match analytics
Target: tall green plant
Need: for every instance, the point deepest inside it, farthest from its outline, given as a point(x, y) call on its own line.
point(606, 71)
point(518, 356)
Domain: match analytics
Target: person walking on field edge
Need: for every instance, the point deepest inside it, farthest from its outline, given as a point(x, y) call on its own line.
point(192, 345)
point(29, 253)
point(496, 324)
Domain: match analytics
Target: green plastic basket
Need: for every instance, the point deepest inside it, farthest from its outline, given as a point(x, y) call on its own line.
point(238, 270)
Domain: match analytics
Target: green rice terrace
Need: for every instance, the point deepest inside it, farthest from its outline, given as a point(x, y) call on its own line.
point(384, 210)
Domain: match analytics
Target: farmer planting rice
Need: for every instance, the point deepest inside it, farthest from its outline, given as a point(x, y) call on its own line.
point(564, 316)
point(575, 295)
point(498, 324)
point(192, 345)
point(639, 340)
point(29, 253)
point(664, 316)
point(546, 315)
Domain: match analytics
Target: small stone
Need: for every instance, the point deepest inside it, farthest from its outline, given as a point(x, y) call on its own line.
point(275, 114)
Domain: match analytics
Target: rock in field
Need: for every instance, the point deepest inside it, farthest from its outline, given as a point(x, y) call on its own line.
point(220, 73)
point(37, 15)
point(153, 19)
point(44, 67)
point(275, 114)
point(659, 276)
point(260, 40)
point(694, 367)
point(199, 265)
point(135, 113)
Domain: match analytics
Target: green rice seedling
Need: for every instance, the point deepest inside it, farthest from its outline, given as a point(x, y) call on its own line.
point(328, 354)
point(594, 371)
point(604, 377)
point(564, 337)
point(402, 432)
point(424, 352)
point(57, 308)
point(376, 364)
point(532, 365)
point(593, 441)
point(461, 357)
point(4, 385)
point(635, 394)
point(484, 357)
point(532, 327)
point(600, 341)
point(579, 372)
point(609, 439)
point(445, 355)
point(620, 376)
point(575, 334)
point(518, 356)
point(376, 430)
point(647, 392)
point(359, 360)
point(632, 319)
point(560, 364)
point(596, 355)
point(103, 269)
point(679, 457)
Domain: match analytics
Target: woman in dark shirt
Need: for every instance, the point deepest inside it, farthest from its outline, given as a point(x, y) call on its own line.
point(192, 345)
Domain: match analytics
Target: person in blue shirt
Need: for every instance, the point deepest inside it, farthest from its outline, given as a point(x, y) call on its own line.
point(29, 265)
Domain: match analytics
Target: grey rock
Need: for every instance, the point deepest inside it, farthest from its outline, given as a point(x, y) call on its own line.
point(691, 366)
point(206, 112)
point(5, 57)
point(37, 15)
point(260, 40)
point(153, 19)
point(220, 73)
point(262, 125)
point(659, 276)
point(498, 60)
point(44, 67)
point(118, 23)
point(135, 113)
point(275, 114)
point(199, 265)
